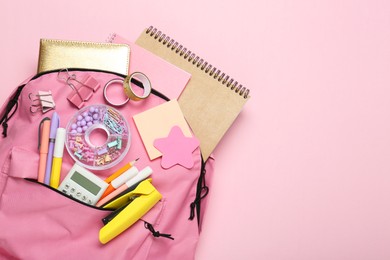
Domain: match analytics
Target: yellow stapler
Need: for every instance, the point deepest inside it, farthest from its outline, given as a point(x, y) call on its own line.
point(129, 208)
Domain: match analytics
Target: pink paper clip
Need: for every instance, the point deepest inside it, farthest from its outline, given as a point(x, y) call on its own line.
point(82, 89)
point(43, 101)
point(90, 82)
point(79, 95)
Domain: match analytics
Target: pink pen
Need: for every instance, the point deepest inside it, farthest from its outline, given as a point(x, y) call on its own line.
point(143, 174)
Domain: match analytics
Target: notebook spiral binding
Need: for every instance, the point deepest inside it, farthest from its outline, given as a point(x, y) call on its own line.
point(199, 62)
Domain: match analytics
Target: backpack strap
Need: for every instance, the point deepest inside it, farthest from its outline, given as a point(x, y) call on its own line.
point(201, 192)
point(13, 102)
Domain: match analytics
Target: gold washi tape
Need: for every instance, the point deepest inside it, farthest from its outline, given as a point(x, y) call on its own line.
point(147, 86)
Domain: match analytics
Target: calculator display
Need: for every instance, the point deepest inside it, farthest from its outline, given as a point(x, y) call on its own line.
point(85, 183)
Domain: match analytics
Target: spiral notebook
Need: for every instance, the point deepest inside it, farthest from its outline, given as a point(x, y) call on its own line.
point(211, 100)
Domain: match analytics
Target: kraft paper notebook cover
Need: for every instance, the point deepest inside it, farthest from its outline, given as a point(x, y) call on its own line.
point(164, 77)
point(211, 100)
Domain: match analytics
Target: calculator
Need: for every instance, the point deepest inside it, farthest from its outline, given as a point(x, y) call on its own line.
point(83, 185)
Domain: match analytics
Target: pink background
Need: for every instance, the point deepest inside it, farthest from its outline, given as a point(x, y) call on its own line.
point(304, 172)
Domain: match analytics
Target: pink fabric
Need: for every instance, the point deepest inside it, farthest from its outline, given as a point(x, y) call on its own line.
point(39, 223)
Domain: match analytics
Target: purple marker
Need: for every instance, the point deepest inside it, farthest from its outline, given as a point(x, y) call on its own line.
point(54, 124)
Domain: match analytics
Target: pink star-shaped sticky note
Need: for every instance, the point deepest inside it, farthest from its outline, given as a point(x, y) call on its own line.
point(176, 149)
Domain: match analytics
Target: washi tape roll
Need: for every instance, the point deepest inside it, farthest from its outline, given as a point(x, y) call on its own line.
point(147, 86)
point(98, 137)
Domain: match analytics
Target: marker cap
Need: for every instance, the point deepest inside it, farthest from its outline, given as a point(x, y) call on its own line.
point(143, 174)
point(60, 142)
point(124, 177)
point(54, 123)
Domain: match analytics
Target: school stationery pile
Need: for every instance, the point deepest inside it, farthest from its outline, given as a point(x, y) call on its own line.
point(124, 132)
point(211, 100)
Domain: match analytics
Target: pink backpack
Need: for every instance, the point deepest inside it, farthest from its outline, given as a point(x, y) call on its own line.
point(39, 222)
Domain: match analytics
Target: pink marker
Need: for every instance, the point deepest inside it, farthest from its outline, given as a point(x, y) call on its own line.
point(43, 147)
point(143, 174)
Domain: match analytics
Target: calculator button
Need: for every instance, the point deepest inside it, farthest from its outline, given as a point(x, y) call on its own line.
point(72, 190)
point(78, 194)
point(64, 191)
point(66, 186)
point(84, 198)
point(89, 201)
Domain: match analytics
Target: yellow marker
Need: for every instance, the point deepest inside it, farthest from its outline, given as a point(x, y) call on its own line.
point(57, 158)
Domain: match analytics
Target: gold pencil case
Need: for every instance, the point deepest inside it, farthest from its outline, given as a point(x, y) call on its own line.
point(60, 54)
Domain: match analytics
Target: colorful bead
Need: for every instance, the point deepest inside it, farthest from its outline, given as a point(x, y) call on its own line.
point(78, 131)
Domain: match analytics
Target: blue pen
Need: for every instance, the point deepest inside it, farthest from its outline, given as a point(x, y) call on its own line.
point(54, 124)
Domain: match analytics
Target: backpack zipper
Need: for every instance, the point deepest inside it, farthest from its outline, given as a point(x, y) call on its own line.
point(12, 104)
point(68, 197)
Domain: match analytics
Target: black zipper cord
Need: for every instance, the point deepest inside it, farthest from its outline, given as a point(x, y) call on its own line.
point(12, 103)
point(201, 192)
point(156, 233)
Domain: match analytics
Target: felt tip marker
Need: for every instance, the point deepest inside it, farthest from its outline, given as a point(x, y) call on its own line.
point(120, 180)
point(143, 174)
point(43, 147)
point(120, 171)
point(54, 124)
point(57, 157)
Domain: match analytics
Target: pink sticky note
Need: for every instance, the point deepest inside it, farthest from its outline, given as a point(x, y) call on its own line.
point(164, 76)
point(157, 122)
point(176, 149)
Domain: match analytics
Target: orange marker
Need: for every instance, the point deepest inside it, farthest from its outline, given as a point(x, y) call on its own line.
point(116, 175)
point(43, 146)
